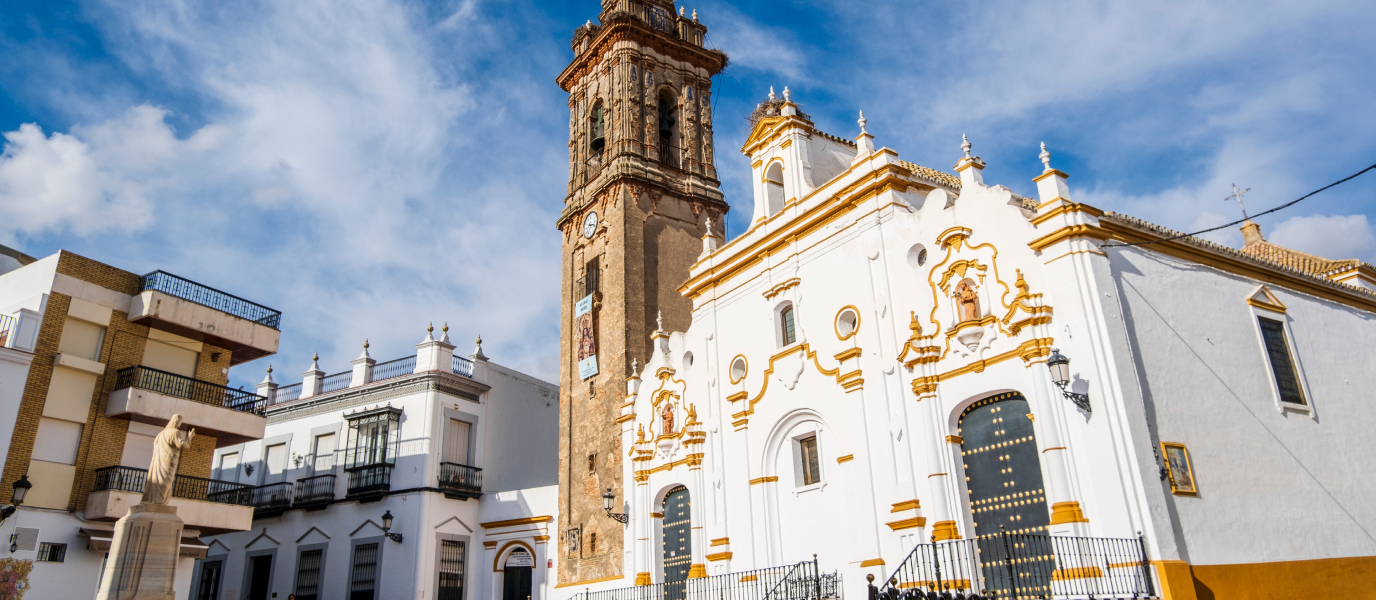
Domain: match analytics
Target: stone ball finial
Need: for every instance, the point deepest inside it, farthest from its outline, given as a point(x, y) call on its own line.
point(480, 340)
point(269, 368)
point(365, 343)
point(695, 15)
point(430, 328)
point(446, 327)
point(316, 358)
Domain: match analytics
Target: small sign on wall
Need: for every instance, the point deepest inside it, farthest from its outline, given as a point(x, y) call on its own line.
point(587, 340)
point(520, 558)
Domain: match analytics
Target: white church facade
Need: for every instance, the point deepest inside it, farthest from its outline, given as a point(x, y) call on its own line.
point(897, 371)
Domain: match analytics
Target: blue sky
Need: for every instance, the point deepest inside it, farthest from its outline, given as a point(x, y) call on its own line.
point(369, 166)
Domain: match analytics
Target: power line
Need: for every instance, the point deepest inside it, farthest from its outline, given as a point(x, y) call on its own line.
point(1245, 219)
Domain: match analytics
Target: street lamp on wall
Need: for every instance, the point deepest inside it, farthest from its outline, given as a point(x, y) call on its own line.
point(1060, 375)
point(387, 526)
point(607, 500)
point(21, 489)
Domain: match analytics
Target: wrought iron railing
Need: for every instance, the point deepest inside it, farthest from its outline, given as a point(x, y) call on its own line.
point(6, 329)
point(1039, 566)
point(191, 291)
point(172, 384)
point(394, 368)
point(463, 366)
point(370, 478)
point(273, 496)
point(461, 479)
point(669, 155)
point(338, 381)
point(311, 490)
point(287, 393)
point(639, 592)
point(133, 479)
point(595, 164)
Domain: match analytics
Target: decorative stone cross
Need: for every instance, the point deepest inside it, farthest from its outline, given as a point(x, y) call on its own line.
point(1237, 195)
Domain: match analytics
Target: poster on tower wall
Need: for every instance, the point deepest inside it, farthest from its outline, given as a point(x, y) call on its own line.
point(587, 342)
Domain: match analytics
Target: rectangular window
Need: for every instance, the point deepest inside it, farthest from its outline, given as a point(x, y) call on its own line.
point(363, 576)
point(229, 466)
point(58, 441)
point(308, 575)
point(209, 588)
point(373, 438)
point(812, 467)
point(80, 338)
point(456, 442)
point(50, 552)
point(325, 445)
point(786, 322)
point(451, 569)
point(275, 464)
point(1282, 367)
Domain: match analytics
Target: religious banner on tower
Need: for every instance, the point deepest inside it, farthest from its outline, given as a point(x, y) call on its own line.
point(587, 342)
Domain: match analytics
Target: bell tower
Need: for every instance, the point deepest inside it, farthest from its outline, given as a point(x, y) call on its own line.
point(642, 195)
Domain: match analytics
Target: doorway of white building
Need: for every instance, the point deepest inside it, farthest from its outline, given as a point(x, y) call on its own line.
point(260, 574)
point(516, 575)
point(678, 551)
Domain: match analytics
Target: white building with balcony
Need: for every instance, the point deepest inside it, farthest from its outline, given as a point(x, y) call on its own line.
point(430, 476)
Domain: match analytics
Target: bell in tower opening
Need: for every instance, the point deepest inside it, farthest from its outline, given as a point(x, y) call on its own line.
point(642, 173)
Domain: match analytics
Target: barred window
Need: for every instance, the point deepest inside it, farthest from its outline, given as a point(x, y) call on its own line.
point(209, 588)
point(786, 326)
point(308, 575)
point(451, 569)
point(50, 552)
point(363, 578)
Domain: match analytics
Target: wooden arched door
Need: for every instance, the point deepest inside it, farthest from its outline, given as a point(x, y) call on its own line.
point(678, 547)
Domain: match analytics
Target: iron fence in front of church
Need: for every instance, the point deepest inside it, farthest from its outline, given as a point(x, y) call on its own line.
point(1008, 565)
point(801, 581)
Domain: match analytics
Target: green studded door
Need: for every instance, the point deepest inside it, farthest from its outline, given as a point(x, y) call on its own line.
point(678, 549)
point(1004, 476)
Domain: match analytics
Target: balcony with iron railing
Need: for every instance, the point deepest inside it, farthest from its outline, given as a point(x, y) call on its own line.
point(369, 480)
point(460, 481)
point(315, 491)
point(181, 306)
point(271, 499)
point(153, 396)
point(211, 505)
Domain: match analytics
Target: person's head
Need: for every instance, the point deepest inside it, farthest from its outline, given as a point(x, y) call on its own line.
point(175, 422)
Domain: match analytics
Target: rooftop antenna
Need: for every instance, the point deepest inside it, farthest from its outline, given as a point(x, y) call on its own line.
point(1237, 195)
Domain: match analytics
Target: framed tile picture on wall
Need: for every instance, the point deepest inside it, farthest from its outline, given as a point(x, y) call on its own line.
point(1179, 469)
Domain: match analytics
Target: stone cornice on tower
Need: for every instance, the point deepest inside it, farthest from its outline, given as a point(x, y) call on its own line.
point(623, 25)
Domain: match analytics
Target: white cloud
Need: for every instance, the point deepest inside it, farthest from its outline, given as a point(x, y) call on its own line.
point(1333, 236)
point(754, 45)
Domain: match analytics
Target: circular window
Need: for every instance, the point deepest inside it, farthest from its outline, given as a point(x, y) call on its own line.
point(738, 369)
point(847, 322)
point(687, 360)
point(917, 256)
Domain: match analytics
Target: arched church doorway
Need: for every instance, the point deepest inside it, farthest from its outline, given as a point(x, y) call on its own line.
point(516, 572)
point(678, 548)
point(1004, 476)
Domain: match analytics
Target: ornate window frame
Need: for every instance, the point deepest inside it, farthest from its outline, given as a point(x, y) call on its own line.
point(1263, 304)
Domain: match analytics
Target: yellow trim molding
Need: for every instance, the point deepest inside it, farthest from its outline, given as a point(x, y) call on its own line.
point(542, 538)
point(719, 556)
point(625, 417)
point(759, 480)
point(498, 554)
point(749, 578)
point(489, 544)
point(738, 396)
point(1077, 573)
point(845, 459)
point(643, 579)
point(1067, 512)
point(873, 562)
point(592, 581)
point(907, 523)
point(513, 522)
point(720, 542)
point(697, 571)
point(848, 354)
point(735, 381)
point(836, 321)
point(656, 515)
point(1046, 174)
point(1067, 209)
point(905, 505)
point(955, 439)
point(945, 530)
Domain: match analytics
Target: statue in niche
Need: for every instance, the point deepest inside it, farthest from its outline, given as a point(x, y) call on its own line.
point(969, 301)
point(667, 414)
point(167, 453)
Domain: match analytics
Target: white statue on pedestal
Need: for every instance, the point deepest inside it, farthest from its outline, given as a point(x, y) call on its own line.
point(167, 453)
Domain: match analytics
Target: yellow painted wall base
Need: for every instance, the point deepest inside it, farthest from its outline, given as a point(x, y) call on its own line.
point(697, 571)
point(642, 579)
point(945, 530)
point(1347, 578)
point(1176, 581)
point(1067, 512)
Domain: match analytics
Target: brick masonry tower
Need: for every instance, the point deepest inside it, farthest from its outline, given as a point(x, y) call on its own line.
point(642, 194)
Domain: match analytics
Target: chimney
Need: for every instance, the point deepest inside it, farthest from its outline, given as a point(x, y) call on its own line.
point(1251, 234)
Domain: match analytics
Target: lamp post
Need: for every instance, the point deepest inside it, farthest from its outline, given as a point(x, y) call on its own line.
point(21, 489)
point(387, 526)
point(607, 500)
point(1060, 375)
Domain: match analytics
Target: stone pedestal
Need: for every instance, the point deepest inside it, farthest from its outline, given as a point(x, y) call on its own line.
point(143, 555)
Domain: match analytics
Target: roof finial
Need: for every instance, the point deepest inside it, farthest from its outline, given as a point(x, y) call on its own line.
point(445, 337)
point(771, 93)
point(365, 350)
point(365, 343)
point(680, 11)
point(1046, 158)
point(478, 351)
point(788, 96)
point(660, 320)
point(695, 15)
point(268, 378)
point(1237, 195)
point(269, 367)
point(862, 122)
point(315, 362)
point(635, 366)
point(965, 145)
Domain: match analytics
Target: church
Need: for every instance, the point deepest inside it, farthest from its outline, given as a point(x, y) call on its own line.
point(914, 379)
